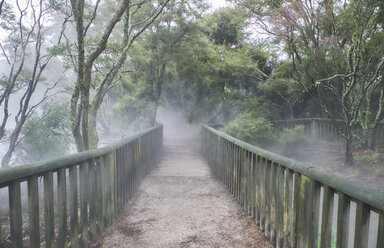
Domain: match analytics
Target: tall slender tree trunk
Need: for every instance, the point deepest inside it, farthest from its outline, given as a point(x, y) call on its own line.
point(375, 125)
point(12, 144)
point(153, 116)
point(348, 146)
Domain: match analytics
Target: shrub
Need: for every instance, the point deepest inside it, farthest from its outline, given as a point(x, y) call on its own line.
point(290, 138)
point(256, 131)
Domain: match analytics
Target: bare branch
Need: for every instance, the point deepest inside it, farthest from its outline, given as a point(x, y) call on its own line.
point(333, 77)
point(92, 18)
point(5, 54)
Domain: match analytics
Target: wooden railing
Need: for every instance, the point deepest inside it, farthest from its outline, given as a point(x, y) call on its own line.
point(323, 128)
point(77, 195)
point(294, 204)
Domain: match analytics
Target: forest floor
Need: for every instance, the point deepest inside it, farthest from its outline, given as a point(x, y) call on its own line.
point(182, 204)
point(368, 168)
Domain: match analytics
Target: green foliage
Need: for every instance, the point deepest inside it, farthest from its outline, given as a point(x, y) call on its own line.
point(260, 107)
point(57, 49)
point(134, 105)
point(225, 27)
point(47, 135)
point(290, 139)
point(255, 131)
point(292, 136)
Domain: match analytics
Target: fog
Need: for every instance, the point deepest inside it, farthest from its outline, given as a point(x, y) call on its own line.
point(175, 124)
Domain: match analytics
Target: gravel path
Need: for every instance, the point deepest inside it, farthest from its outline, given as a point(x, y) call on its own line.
point(182, 204)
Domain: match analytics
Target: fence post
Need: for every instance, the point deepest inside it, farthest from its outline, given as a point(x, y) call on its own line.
point(313, 129)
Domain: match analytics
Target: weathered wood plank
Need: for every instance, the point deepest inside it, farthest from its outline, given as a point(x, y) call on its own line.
point(73, 206)
point(361, 225)
point(92, 191)
point(99, 172)
point(49, 210)
point(288, 201)
point(342, 230)
point(273, 194)
point(15, 214)
point(258, 199)
point(326, 219)
point(380, 236)
point(107, 200)
point(84, 219)
point(314, 235)
point(267, 198)
point(62, 207)
point(252, 185)
point(263, 191)
point(280, 207)
point(33, 207)
point(296, 209)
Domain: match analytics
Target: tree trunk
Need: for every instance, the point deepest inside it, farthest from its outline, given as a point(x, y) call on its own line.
point(371, 138)
point(348, 147)
point(92, 130)
point(379, 114)
point(12, 144)
point(153, 116)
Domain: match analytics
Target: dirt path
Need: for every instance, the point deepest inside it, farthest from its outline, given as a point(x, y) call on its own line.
point(181, 204)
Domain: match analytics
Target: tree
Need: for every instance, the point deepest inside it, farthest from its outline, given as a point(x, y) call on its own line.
point(151, 61)
point(225, 27)
point(327, 44)
point(47, 135)
point(26, 54)
point(83, 110)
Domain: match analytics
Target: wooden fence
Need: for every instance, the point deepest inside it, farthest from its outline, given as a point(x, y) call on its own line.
point(294, 204)
point(77, 195)
point(323, 128)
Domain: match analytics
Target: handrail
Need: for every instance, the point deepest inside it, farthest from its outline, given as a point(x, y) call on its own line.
point(370, 196)
point(24, 171)
point(283, 195)
point(307, 119)
point(92, 188)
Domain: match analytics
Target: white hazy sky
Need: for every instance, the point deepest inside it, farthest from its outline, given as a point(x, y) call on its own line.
point(218, 3)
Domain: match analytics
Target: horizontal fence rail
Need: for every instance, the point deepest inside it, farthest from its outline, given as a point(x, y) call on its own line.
point(294, 204)
point(68, 201)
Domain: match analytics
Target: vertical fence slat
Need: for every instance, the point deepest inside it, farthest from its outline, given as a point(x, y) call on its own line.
point(273, 203)
point(84, 203)
point(361, 225)
point(106, 191)
point(280, 207)
point(73, 206)
point(326, 219)
point(252, 185)
point(15, 214)
point(33, 206)
point(305, 212)
point(91, 185)
point(263, 190)
point(343, 211)
point(267, 198)
point(296, 209)
point(99, 194)
point(288, 207)
point(62, 207)
point(313, 238)
point(49, 210)
point(380, 236)
point(258, 189)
